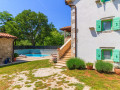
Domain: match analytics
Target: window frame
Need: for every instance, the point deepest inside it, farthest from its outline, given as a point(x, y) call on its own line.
point(107, 0)
point(102, 21)
point(102, 52)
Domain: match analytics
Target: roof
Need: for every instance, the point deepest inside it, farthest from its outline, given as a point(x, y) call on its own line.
point(67, 28)
point(5, 35)
point(68, 1)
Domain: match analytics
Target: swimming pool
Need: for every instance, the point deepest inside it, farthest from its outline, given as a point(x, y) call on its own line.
point(36, 55)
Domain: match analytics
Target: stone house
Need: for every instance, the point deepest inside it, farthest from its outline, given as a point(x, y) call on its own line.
point(6, 46)
point(95, 30)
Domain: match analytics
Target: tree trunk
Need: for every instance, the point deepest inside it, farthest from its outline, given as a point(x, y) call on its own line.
point(33, 43)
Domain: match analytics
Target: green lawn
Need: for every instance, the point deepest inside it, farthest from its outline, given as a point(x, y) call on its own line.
point(96, 80)
point(28, 66)
point(24, 66)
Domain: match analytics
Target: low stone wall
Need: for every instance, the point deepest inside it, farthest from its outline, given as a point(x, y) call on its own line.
point(36, 51)
point(6, 49)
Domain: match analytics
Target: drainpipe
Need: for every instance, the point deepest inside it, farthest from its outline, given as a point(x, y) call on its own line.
point(13, 51)
point(75, 28)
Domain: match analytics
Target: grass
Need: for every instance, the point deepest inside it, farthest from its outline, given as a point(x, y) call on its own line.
point(24, 66)
point(17, 86)
point(79, 87)
point(40, 85)
point(20, 79)
point(57, 88)
point(28, 66)
point(28, 86)
point(97, 81)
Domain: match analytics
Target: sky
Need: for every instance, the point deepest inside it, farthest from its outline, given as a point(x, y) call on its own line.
point(57, 12)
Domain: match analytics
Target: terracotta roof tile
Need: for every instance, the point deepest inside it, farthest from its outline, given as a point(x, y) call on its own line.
point(5, 35)
point(67, 28)
point(68, 1)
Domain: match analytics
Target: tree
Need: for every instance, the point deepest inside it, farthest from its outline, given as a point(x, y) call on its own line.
point(12, 28)
point(31, 25)
point(4, 18)
point(55, 38)
point(46, 32)
point(31, 28)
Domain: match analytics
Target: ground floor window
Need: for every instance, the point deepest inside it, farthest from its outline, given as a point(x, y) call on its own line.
point(107, 54)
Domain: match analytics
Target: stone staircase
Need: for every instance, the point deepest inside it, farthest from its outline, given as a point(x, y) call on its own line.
point(62, 62)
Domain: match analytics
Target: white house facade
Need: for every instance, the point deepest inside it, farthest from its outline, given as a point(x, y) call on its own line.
point(95, 29)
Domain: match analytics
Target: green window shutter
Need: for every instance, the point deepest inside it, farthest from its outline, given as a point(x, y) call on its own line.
point(116, 23)
point(102, 0)
point(98, 25)
point(116, 55)
point(98, 54)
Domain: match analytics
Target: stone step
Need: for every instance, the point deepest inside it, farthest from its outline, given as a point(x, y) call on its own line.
point(66, 56)
point(59, 64)
point(64, 59)
point(68, 52)
point(62, 62)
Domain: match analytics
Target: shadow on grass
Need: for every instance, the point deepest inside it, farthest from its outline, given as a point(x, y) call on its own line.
point(110, 73)
point(7, 65)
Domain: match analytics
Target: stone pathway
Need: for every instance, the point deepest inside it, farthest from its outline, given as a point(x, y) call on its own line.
point(44, 79)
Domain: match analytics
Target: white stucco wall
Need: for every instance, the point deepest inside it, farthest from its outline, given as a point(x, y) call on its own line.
point(88, 41)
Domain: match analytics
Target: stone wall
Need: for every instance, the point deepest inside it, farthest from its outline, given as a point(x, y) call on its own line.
point(6, 49)
point(72, 31)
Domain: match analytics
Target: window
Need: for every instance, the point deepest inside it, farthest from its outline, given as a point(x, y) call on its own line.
point(104, 0)
point(110, 24)
point(107, 54)
point(106, 25)
point(107, 0)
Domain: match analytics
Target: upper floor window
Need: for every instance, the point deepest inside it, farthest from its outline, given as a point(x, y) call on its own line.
point(105, 25)
point(104, 0)
point(107, 0)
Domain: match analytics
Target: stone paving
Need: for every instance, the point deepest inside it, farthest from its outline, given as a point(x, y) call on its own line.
point(47, 79)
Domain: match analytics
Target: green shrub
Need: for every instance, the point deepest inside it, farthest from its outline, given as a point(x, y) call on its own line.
point(75, 63)
point(71, 63)
point(102, 66)
point(89, 64)
point(15, 55)
point(79, 63)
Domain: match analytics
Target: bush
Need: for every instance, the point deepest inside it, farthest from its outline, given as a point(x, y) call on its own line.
point(15, 55)
point(71, 63)
point(102, 66)
point(75, 63)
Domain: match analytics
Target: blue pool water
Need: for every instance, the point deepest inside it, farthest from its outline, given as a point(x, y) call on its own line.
point(36, 55)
